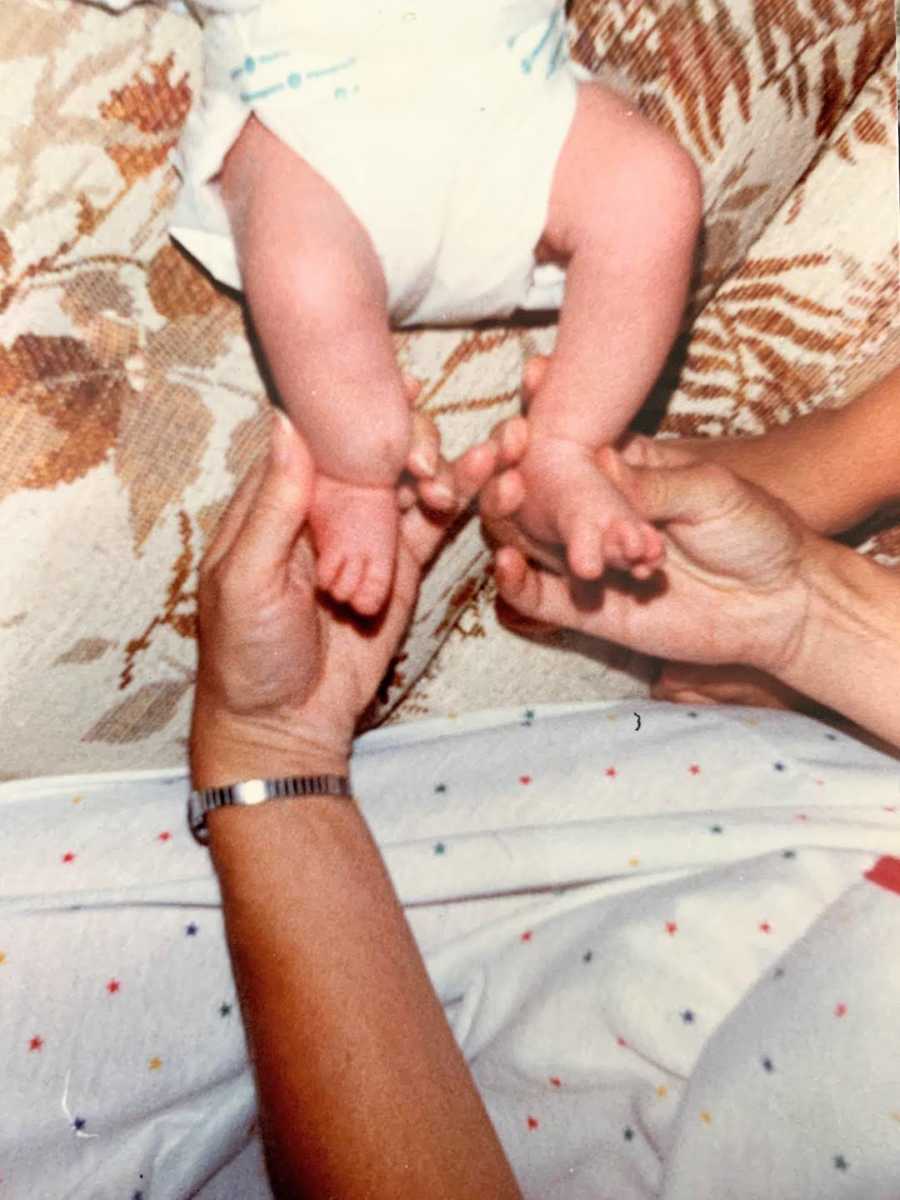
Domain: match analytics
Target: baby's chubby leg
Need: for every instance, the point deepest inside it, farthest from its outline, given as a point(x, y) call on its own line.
point(624, 215)
point(318, 299)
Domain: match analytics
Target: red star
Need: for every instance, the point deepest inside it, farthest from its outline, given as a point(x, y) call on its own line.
point(694, 769)
point(556, 1081)
point(68, 857)
point(620, 1041)
point(765, 927)
point(671, 928)
point(526, 936)
point(36, 1043)
point(113, 986)
point(524, 779)
point(611, 772)
point(840, 1010)
point(892, 808)
point(801, 817)
point(533, 1122)
point(165, 836)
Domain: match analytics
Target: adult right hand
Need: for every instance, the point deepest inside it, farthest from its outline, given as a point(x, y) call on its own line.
point(735, 586)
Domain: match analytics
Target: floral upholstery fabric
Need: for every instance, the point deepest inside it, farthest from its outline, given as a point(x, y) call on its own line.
point(133, 400)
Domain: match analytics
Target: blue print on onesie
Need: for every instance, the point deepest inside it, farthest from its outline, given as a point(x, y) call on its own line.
point(293, 80)
point(553, 45)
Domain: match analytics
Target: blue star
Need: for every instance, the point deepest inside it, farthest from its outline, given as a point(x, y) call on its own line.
point(191, 930)
point(439, 848)
point(587, 956)
point(628, 1133)
point(715, 829)
point(832, 737)
point(79, 1123)
point(779, 766)
point(692, 714)
point(224, 1009)
point(840, 1162)
point(440, 788)
point(688, 1017)
point(138, 1196)
point(789, 854)
point(768, 1065)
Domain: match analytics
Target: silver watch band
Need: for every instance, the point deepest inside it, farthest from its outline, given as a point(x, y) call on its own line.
point(256, 791)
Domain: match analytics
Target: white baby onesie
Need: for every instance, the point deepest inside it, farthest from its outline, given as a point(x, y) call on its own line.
point(440, 125)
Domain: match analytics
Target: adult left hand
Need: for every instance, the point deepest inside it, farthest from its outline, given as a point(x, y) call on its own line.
point(283, 674)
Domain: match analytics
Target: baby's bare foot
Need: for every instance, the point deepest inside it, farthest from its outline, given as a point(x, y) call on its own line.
point(355, 532)
point(569, 500)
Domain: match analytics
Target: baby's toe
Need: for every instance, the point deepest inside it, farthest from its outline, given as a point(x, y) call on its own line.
point(372, 588)
point(329, 566)
point(621, 544)
point(345, 580)
point(585, 550)
point(634, 546)
point(654, 551)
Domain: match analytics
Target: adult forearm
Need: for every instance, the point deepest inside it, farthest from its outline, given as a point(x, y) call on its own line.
point(362, 1089)
point(848, 655)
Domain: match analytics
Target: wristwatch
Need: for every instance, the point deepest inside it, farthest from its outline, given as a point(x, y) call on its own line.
point(256, 791)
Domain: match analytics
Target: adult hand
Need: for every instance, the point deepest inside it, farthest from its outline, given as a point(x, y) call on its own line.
point(734, 585)
point(283, 675)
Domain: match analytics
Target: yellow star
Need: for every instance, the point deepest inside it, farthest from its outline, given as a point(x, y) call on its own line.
point(896, 1116)
point(77, 799)
point(2, 957)
point(634, 862)
point(706, 1117)
point(155, 1063)
point(662, 1091)
point(612, 716)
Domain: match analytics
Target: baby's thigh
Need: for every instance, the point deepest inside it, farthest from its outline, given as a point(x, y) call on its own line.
point(292, 229)
point(617, 171)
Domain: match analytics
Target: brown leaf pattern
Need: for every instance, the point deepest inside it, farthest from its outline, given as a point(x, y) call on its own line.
point(132, 402)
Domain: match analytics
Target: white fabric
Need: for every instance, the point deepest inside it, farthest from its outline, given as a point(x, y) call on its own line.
point(657, 947)
point(439, 124)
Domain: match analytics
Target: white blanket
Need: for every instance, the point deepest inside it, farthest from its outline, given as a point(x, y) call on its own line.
point(671, 955)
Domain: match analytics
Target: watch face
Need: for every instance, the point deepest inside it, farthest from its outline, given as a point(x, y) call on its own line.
point(254, 791)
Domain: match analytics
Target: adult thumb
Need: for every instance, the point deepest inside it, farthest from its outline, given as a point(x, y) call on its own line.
point(689, 494)
point(281, 505)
